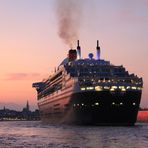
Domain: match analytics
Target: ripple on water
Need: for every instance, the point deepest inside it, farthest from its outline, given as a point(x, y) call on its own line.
point(37, 135)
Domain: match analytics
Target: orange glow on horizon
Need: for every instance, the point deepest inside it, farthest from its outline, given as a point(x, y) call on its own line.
point(142, 116)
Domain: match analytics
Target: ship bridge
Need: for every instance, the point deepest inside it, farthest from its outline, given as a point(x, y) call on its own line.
point(94, 68)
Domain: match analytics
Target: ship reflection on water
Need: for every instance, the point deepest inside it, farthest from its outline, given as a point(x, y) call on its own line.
point(36, 134)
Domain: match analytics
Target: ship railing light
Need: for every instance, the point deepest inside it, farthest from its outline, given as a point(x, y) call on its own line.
point(106, 87)
point(128, 87)
point(112, 89)
point(98, 88)
point(123, 89)
point(121, 103)
point(89, 88)
point(83, 88)
point(82, 104)
point(134, 88)
point(139, 88)
point(113, 103)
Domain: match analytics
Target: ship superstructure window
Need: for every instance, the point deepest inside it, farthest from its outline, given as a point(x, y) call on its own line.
point(139, 88)
point(56, 109)
point(56, 76)
point(89, 88)
point(98, 88)
point(106, 87)
point(96, 103)
point(83, 88)
point(56, 105)
point(134, 88)
point(67, 105)
point(128, 87)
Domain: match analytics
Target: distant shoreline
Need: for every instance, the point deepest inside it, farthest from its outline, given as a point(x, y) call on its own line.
point(16, 120)
point(141, 117)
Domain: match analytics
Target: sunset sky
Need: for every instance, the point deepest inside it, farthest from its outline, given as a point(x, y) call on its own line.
point(31, 47)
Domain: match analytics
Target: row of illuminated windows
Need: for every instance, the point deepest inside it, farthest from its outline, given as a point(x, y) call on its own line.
point(111, 88)
point(97, 104)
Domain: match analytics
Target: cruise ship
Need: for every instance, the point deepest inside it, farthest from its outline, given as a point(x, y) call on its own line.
point(89, 91)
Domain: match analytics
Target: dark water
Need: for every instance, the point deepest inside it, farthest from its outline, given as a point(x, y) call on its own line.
point(28, 134)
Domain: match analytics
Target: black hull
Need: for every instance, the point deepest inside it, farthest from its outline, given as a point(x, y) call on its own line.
point(95, 108)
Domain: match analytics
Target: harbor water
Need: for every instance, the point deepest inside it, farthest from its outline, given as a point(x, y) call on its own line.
point(35, 134)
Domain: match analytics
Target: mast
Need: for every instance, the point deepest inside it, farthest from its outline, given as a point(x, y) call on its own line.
point(78, 50)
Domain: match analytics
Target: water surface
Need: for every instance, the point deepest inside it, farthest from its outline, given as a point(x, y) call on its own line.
point(32, 134)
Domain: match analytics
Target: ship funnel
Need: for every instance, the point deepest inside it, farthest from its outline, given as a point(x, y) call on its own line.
point(98, 51)
point(72, 55)
point(78, 50)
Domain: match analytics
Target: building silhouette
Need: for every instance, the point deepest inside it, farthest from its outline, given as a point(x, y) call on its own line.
point(25, 114)
point(27, 108)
